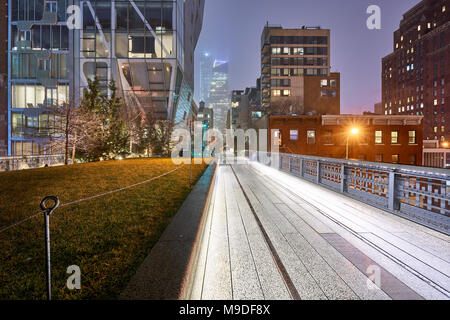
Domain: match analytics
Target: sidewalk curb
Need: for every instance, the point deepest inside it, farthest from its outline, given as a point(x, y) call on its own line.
point(167, 272)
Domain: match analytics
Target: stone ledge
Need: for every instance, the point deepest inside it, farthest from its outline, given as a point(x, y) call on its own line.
point(166, 272)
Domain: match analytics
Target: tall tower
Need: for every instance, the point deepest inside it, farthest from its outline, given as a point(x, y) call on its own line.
point(416, 75)
point(219, 95)
point(206, 68)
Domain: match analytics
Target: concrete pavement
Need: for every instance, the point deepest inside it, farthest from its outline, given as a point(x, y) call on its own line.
point(270, 235)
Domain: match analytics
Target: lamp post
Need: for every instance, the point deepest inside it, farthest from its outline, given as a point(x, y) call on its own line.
point(354, 132)
point(445, 145)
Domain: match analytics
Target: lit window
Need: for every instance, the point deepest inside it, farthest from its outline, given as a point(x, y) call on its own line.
point(395, 158)
point(324, 83)
point(378, 137)
point(294, 135)
point(276, 93)
point(394, 137)
point(287, 93)
point(412, 137)
point(443, 8)
point(419, 27)
point(435, 102)
point(311, 137)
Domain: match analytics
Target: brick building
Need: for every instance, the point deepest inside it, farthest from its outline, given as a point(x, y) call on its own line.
point(296, 77)
point(391, 139)
point(3, 78)
point(416, 76)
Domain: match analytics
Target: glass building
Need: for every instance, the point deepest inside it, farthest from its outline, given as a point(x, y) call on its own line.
point(219, 95)
point(145, 46)
point(38, 73)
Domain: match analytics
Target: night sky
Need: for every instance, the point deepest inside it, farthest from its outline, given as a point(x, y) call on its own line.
point(232, 31)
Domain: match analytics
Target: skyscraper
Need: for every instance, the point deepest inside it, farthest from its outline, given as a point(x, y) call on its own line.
point(295, 72)
point(219, 95)
point(416, 75)
point(146, 46)
point(206, 67)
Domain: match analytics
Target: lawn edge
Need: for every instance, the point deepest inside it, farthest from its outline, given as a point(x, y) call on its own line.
point(167, 272)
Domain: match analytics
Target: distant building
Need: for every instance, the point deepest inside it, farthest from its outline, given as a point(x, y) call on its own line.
point(219, 94)
point(296, 74)
point(246, 107)
point(206, 70)
point(3, 79)
point(206, 116)
point(390, 139)
point(436, 154)
point(416, 76)
point(378, 109)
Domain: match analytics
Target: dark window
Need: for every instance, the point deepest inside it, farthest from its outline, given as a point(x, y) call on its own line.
point(379, 158)
point(328, 137)
point(412, 159)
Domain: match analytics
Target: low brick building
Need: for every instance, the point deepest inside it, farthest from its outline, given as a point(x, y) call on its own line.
point(391, 139)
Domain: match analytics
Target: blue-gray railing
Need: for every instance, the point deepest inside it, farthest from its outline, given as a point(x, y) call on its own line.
point(417, 193)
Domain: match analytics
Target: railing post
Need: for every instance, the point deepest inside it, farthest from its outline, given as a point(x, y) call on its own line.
point(394, 203)
point(318, 172)
point(343, 178)
point(301, 167)
point(290, 164)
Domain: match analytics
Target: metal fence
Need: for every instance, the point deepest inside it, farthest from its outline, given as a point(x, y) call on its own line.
point(30, 162)
point(416, 193)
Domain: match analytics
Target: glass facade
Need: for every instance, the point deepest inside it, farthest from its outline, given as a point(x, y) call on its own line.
point(38, 75)
point(139, 44)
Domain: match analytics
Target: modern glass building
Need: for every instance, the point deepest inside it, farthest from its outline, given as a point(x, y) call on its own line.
point(38, 73)
point(219, 95)
point(145, 46)
point(206, 67)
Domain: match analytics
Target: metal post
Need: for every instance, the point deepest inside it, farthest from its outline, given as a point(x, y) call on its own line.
point(318, 172)
point(47, 212)
point(392, 201)
point(346, 148)
point(343, 178)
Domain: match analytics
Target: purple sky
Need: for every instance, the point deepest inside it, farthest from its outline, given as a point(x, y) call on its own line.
point(232, 31)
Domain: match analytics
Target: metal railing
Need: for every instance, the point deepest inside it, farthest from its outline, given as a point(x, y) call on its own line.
point(417, 193)
point(30, 162)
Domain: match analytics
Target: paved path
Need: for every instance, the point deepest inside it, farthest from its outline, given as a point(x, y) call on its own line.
point(270, 235)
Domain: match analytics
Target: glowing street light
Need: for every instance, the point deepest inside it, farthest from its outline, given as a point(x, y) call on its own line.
point(445, 144)
point(353, 131)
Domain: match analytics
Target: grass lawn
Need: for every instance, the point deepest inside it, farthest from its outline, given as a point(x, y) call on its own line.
point(108, 237)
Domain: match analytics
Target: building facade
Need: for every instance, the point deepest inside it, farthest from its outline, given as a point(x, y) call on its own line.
point(206, 68)
point(146, 47)
point(219, 94)
point(3, 79)
point(390, 139)
point(296, 77)
point(436, 154)
point(416, 76)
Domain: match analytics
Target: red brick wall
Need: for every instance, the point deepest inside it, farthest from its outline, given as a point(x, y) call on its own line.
point(430, 55)
point(359, 148)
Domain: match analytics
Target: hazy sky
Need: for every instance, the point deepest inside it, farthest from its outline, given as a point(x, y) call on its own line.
point(232, 31)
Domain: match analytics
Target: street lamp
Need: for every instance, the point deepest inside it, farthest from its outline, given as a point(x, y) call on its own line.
point(353, 131)
point(445, 144)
